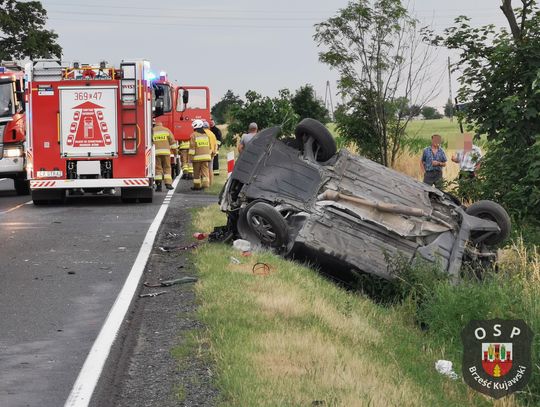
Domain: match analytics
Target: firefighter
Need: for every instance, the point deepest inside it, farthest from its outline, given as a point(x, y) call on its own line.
point(187, 166)
point(200, 153)
point(213, 148)
point(164, 142)
point(214, 129)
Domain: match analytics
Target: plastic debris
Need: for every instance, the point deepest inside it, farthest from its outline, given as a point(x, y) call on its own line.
point(242, 245)
point(261, 269)
point(200, 235)
point(445, 367)
point(175, 248)
point(168, 283)
point(234, 260)
point(152, 294)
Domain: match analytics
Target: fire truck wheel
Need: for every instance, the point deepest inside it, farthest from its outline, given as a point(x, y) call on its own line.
point(22, 187)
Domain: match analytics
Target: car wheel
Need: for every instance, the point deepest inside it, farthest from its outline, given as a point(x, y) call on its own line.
point(267, 224)
point(22, 186)
point(316, 139)
point(492, 211)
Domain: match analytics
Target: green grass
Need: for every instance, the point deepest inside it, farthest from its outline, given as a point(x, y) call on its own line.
point(293, 338)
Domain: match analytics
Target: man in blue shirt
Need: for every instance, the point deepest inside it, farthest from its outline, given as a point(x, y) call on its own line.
point(432, 162)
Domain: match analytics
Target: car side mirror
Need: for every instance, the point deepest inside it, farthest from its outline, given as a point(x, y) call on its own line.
point(158, 108)
point(185, 96)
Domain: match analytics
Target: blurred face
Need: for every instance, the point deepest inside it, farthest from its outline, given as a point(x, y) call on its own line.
point(212, 124)
point(467, 142)
point(436, 141)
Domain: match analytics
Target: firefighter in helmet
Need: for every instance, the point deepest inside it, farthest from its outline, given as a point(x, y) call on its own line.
point(164, 142)
point(200, 153)
point(213, 148)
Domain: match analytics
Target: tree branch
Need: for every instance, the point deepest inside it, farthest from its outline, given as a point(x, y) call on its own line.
point(506, 8)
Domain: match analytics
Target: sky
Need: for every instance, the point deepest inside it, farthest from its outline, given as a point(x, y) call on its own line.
point(233, 44)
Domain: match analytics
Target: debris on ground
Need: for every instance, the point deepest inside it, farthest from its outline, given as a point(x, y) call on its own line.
point(152, 294)
point(168, 283)
point(221, 234)
point(445, 367)
point(234, 260)
point(242, 245)
point(261, 269)
point(200, 235)
point(168, 249)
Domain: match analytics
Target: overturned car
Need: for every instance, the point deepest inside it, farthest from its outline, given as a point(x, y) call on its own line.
point(348, 214)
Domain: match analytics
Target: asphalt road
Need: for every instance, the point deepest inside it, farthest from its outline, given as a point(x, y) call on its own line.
point(61, 268)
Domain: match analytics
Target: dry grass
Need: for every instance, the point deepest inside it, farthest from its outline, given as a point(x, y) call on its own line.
point(409, 164)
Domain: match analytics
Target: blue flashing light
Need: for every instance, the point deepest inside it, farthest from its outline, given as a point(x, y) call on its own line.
point(151, 76)
point(2, 69)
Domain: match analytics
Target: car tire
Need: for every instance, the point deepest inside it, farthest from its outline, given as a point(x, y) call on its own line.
point(267, 224)
point(324, 145)
point(492, 211)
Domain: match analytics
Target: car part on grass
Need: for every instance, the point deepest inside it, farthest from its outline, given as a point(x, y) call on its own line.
point(318, 143)
point(347, 214)
point(261, 269)
point(168, 283)
point(167, 249)
point(242, 245)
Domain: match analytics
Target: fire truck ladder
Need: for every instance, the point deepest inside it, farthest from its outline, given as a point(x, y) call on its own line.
point(47, 70)
point(128, 97)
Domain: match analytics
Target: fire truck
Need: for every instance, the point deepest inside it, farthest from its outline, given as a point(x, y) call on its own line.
point(12, 126)
point(89, 130)
point(180, 106)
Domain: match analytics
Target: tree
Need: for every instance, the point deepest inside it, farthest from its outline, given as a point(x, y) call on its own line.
point(449, 109)
point(264, 111)
point(500, 82)
point(381, 59)
point(306, 104)
point(220, 110)
point(22, 32)
point(430, 113)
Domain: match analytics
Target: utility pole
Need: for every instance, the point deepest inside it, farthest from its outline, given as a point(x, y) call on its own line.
point(450, 98)
point(328, 100)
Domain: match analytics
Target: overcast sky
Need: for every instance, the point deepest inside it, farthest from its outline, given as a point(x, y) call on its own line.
point(229, 44)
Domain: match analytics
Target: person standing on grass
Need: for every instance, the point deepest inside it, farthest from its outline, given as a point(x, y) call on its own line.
point(468, 158)
point(432, 162)
point(246, 138)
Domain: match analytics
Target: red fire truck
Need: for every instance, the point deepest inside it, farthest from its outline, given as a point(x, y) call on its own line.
point(181, 105)
point(89, 130)
point(12, 126)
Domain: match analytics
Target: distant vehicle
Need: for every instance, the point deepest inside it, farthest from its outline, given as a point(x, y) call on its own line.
point(180, 105)
point(13, 126)
point(347, 213)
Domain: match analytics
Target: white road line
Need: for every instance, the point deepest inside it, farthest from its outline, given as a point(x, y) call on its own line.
point(86, 382)
point(15, 207)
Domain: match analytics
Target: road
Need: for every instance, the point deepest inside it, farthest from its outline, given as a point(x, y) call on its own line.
point(62, 267)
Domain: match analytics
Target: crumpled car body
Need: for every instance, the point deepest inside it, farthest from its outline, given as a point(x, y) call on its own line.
point(349, 214)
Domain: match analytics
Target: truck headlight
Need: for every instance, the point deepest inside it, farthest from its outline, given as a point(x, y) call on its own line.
point(13, 152)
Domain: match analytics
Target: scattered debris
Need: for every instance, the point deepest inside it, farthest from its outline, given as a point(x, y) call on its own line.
point(445, 367)
point(200, 235)
point(234, 260)
point(221, 234)
point(152, 294)
point(121, 248)
point(179, 248)
point(246, 254)
point(172, 235)
point(168, 283)
point(261, 269)
point(71, 272)
point(242, 245)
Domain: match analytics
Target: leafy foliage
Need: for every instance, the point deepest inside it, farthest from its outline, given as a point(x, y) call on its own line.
point(264, 111)
point(220, 110)
point(22, 32)
point(501, 84)
point(306, 104)
point(449, 109)
point(382, 65)
point(430, 113)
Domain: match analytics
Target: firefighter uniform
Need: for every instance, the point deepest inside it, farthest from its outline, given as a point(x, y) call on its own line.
point(213, 151)
point(201, 155)
point(163, 142)
point(187, 166)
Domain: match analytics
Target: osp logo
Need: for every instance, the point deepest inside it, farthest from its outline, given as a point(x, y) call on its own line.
point(497, 356)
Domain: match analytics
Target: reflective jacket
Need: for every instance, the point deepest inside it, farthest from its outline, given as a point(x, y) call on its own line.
point(199, 148)
point(184, 145)
point(163, 140)
point(213, 141)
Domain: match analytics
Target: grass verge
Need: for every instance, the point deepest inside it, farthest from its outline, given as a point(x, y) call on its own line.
point(292, 338)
